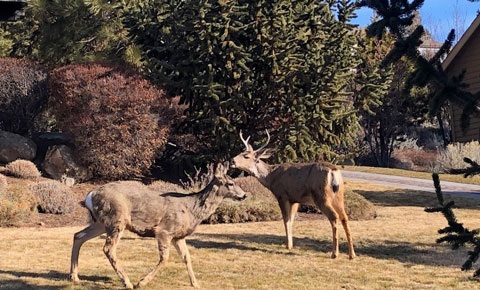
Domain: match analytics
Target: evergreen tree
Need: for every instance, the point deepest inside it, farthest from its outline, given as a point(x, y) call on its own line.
point(455, 233)
point(66, 31)
point(393, 111)
point(255, 65)
point(396, 16)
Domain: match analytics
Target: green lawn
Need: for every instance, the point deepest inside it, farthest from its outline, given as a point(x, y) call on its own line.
point(415, 174)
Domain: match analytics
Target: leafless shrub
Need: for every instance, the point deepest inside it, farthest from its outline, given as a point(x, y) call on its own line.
point(23, 169)
point(452, 156)
point(53, 197)
point(163, 186)
point(199, 180)
point(16, 203)
point(3, 182)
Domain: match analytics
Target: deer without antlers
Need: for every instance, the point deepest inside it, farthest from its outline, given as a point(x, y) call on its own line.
point(293, 184)
point(168, 217)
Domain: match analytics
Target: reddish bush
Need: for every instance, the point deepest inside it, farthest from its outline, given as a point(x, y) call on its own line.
point(23, 94)
point(118, 120)
point(418, 158)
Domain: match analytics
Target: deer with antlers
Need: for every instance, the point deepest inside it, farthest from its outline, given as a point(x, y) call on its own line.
point(293, 184)
point(168, 217)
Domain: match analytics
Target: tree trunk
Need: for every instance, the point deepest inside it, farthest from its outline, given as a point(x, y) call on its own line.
point(442, 130)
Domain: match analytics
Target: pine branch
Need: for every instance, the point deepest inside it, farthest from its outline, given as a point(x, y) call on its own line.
point(455, 233)
point(474, 168)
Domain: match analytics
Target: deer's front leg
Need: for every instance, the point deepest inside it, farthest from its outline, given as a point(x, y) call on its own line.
point(164, 241)
point(182, 250)
point(288, 212)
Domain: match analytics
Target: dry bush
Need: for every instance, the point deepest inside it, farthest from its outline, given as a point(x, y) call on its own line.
point(53, 197)
point(163, 186)
point(23, 94)
point(200, 180)
point(16, 203)
point(260, 205)
point(452, 156)
point(356, 206)
point(3, 182)
point(416, 159)
point(119, 121)
point(22, 169)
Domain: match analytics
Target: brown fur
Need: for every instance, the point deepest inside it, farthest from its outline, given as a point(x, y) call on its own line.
point(300, 183)
point(169, 217)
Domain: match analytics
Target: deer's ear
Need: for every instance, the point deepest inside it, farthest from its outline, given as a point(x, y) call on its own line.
point(264, 154)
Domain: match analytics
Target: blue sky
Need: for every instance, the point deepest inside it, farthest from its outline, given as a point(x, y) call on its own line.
point(437, 16)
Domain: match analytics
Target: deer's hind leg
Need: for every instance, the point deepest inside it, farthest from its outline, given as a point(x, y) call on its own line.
point(288, 212)
point(90, 232)
point(163, 240)
point(114, 234)
point(340, 208)
point(326, 207)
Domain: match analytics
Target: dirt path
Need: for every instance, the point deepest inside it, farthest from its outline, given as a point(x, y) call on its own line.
point(452, 188)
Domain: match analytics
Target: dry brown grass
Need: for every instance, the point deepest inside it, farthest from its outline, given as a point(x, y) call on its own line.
point(16, 203)
point(397, 250)
point(3, 181)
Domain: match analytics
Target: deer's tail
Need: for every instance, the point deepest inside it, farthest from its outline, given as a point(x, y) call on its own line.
point(88, 203)
point(335, 179)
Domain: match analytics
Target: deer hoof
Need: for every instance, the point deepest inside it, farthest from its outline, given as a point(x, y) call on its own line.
point(334, 255)
point(74, 278)
point(195, 285)
point(351, 257)
point(128, 285)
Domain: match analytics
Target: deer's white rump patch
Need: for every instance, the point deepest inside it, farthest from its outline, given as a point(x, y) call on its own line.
point(88, 201)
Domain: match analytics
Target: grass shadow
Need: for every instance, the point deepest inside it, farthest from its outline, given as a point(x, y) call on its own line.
point(54, 275)
point(405, 252)
point(201, 244)
point(406, 197)
point(19, 284)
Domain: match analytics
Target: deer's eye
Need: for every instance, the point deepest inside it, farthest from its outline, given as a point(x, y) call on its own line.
point(230, 184)
point(246, 156)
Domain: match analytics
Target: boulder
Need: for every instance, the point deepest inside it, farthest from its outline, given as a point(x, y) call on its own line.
point(59, 163)
point(45, 140)
point(14, 146)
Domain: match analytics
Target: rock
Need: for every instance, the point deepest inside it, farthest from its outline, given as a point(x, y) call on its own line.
point(14, 146)
point(59, 162)
point(45, 140)
point(68, 181)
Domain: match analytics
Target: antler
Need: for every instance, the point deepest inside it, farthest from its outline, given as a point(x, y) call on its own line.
point(245, 142)
point(264, 145)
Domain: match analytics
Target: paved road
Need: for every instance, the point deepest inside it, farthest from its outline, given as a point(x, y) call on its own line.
point(452, 188)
